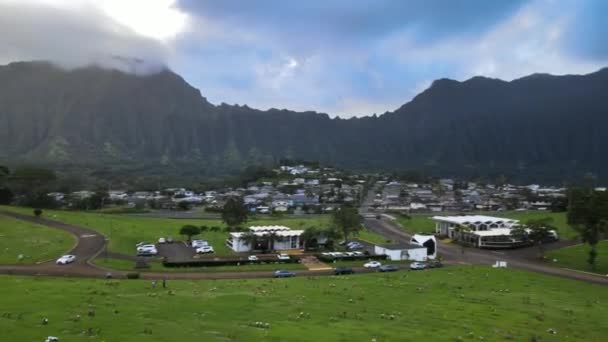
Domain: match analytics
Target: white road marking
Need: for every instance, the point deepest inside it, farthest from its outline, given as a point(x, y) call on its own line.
point(88, 235)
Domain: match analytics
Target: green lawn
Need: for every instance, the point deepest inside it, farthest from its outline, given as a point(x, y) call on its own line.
point(575, 257)
point(35, 243)
point(125, 231)
point(423, 223)
point(372, 237)
point(453, 303)
point(155, 266)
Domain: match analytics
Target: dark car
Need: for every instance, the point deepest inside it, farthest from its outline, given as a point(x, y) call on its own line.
point(284, 274)
point(378, 217)
point(343, 270)
point(388, 268)
point(434, 264)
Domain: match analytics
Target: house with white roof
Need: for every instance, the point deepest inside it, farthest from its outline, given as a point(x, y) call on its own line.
point(478, 230)
point(283, 238)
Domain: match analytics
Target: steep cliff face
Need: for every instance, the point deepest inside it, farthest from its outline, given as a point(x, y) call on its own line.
point(552, 125)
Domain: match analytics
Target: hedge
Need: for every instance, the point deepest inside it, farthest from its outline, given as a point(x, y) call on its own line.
point(329, 258)
point(226, 262)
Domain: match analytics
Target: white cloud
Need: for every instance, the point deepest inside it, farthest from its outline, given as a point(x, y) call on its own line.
point(82, 32)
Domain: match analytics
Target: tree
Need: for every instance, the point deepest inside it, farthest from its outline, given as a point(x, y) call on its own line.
point(535, 232)
point(234, 212)
point(251, 239)
point(189, 231)
point(588, 215)
point(271, 237)
point(310, 237)
point(183, 205)
point(347, 220)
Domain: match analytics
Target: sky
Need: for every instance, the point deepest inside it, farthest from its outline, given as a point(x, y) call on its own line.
point(341, 57)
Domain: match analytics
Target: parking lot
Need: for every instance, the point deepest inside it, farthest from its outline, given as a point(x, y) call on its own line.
point(176, 251)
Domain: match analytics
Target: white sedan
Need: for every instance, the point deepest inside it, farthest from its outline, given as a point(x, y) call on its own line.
point(66, 259)
point(252, 258)
point(205, 250)
point(283, 256)
point(372, 264)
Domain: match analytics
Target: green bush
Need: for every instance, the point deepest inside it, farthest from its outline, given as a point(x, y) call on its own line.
point(133, 275)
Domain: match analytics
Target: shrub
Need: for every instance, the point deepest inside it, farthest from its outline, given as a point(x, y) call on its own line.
point(133, 275)
point(37, 212)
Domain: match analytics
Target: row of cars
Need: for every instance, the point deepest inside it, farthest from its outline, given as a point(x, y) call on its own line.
point(413, 266)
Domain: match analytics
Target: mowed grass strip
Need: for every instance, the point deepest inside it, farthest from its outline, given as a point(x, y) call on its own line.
point(33, 242)
point(575, 257)
point(424, 224)
point(453, 303)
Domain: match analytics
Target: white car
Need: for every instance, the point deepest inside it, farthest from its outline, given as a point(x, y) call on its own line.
point(205, 250)
point(372, 264)
point(283, 256)
point(147, 246)
point(66, 259)
point(199, 243)
point(147, 250)
point(417, 266)
point(162, 240)
point(252, 258)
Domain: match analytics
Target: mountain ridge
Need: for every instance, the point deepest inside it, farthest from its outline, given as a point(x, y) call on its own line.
point(97, 116)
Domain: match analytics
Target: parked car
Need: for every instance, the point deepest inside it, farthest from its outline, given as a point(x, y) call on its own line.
point(162, 240)
point(199, 243)
point(343, 270)
point(205, 250)
point(372, 264)
point(283, 256)
point(146, 250)
point(252, 258)
point(434, 264)
point(170, 239)
point(52, 339)
point(417, 266)
point(388, 268)
point(284, 274)
point(378, 217)
point(357, 253)
point(66, 259)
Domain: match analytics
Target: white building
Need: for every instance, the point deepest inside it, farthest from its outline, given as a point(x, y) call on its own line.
point(478, 230)
point(285, 239)
point(427, 241)
point(402, 252)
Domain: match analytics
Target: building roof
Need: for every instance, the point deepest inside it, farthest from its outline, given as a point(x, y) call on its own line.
point(400, 246)
point(467, 219)
point(283, 233)
point(493, 232)
point(268, 228)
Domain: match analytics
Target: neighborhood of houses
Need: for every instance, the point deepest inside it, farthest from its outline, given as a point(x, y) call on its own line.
point(294, 189)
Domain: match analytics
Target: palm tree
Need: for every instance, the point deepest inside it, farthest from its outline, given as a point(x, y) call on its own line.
point(271, 238)
point(461, 229)
point(535, 232)
point(249, 238)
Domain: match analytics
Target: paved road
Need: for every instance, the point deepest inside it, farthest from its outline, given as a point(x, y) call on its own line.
point(454, 254)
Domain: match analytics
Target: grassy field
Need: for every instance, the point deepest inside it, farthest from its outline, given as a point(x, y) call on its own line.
point(423, 223)
point(469, 303)
point(155, 266)
point(34, 242)
point(575, 257)
point(125, 231)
